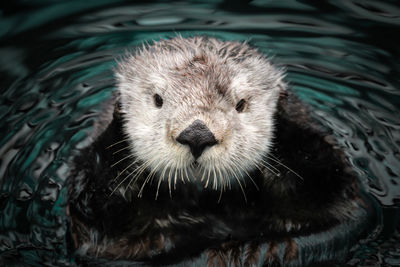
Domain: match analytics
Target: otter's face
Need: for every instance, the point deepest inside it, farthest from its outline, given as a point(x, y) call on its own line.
point(199, 108)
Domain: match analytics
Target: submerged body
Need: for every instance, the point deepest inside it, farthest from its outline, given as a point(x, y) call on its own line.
point(204, 157)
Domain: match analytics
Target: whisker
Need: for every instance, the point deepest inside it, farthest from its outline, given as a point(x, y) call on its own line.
point(116, 143)
point(269, 167)
point(286, 167)
point(161, 178)
point(119, 161)
point(220, 196)
point(148, 177)
point(154, 171)
point(140, 194)
point(271, 155)
point(240, 184)
point(208, 177)
point(228, 180)
point(203, 171)
point(215, 184)
point(127, 167)
point(123, 180)
point(169, 182)
point(186, 175)
point(176, 171)
point(248, 175)
point(139, 170)
point(234, 174)
point(119, 150)
point(223, 181)
point(258, 165)
point(142, 169)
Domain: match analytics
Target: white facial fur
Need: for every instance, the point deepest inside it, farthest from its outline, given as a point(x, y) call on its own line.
point(199, 78)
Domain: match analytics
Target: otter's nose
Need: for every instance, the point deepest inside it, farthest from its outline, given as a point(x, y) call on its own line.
point(197, 136)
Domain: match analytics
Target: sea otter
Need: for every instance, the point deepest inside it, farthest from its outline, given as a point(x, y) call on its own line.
point(203, 156)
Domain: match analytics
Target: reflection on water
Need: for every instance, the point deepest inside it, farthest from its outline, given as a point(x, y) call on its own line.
point(56, 62)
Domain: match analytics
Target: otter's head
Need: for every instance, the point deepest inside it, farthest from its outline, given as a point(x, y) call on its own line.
point(199, 107)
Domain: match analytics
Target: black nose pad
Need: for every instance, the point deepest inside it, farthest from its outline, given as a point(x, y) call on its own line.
point(197, 136)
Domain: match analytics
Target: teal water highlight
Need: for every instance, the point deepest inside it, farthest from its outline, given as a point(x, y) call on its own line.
point(56, 70)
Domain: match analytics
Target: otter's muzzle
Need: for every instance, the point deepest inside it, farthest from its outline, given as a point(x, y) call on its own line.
point(197, 136)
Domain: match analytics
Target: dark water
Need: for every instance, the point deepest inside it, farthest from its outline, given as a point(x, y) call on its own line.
point(56, 60)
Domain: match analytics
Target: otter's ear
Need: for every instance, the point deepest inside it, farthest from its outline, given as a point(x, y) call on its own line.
point(283, 93)
point(117, 110)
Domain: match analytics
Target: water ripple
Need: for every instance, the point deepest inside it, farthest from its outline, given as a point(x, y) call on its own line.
point(56, 62)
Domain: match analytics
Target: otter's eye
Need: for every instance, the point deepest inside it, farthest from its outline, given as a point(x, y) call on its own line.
point(240, 105)
point(158, 100)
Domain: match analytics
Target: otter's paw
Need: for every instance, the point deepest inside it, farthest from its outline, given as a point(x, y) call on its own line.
point(271, 253)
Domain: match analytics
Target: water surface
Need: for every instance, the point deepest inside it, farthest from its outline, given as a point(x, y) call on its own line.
point(56, 62)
